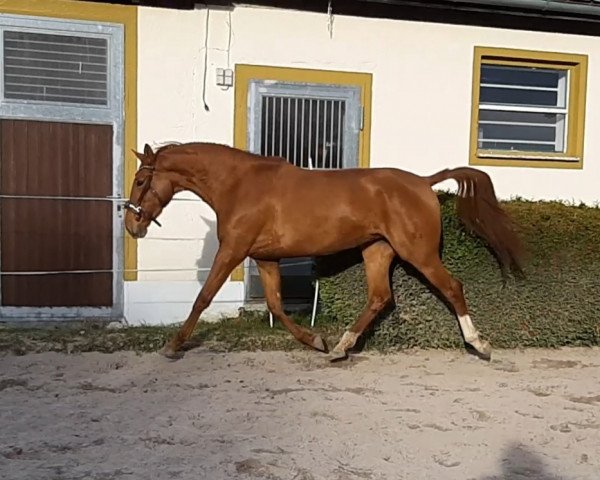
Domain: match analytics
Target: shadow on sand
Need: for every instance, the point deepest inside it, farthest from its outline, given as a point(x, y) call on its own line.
point(519, 463)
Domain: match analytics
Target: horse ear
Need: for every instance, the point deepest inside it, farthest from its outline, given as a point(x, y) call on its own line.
point(142, 158)
point(148, 157)
point(148, 151)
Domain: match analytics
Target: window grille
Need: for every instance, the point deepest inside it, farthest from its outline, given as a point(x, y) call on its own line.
point(55, 68)
point(302, 129)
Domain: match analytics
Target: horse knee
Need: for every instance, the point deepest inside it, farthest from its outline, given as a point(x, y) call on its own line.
point(456, 296)
point(201, 303)
point(455, 286)
point(275, 308)
point(379, 302)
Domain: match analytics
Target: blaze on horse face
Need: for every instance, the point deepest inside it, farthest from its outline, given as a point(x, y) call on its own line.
point(151, 191)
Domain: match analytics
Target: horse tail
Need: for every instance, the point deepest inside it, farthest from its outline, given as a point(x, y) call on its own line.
point(480, 212)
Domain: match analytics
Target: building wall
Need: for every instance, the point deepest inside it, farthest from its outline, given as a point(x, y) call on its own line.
point(422, 85)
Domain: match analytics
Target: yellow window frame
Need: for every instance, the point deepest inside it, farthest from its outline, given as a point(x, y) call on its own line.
point(246, 72)
point(576, 65)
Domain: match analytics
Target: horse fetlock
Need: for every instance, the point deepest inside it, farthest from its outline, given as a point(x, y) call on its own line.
point(335, 356)
point(347, 342)
point(170, 352)
point(340, 352)
point(483, 347)
point(473, 337)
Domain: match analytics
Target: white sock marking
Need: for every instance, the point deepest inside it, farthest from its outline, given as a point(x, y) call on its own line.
point(469, 331)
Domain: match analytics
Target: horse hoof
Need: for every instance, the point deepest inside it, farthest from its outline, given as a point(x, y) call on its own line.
point(485, 350)
point(337, 356)
point(487, 357)
point(319, 344)
point(168, 352)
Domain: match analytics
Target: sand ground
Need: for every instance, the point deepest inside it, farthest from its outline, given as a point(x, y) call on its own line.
point(293, 416)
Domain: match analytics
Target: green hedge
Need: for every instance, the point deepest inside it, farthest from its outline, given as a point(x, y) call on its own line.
point(556, 304)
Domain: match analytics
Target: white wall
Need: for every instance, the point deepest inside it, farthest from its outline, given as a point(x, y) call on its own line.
point(422, 78)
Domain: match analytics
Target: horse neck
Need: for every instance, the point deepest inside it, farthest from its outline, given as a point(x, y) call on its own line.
point(209, 176)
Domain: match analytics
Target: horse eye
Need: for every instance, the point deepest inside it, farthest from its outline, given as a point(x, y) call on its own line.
point(139, 182)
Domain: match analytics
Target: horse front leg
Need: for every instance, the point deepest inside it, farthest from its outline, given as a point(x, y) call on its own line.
point(226, 260)
point(270, 276)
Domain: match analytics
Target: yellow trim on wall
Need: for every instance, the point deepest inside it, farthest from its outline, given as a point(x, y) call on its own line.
point(576, 65)
point(244, 73)
point(101, 12)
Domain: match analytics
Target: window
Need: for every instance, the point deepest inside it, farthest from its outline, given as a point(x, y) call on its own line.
point(311, 125)
point(47, 67)
point(528, 108)
point(61, 70)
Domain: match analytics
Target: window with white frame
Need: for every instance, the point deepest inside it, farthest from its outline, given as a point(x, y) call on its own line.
point(528, 108)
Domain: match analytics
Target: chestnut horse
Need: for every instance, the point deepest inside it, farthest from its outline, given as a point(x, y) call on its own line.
point(268, 209)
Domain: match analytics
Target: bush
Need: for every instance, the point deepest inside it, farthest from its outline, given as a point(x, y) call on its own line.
point(556, 304)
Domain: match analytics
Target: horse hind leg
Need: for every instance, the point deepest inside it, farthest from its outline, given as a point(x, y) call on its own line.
point(271, 280)
point(434, 270)
point(378, 258)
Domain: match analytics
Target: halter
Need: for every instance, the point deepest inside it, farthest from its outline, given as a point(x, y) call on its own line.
point(147, 187)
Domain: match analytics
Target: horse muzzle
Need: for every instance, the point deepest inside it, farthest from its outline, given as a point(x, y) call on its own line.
point(140, 213)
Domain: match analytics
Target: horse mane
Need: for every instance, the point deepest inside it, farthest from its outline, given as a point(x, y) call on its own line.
point(256, 156)
point(167, 146)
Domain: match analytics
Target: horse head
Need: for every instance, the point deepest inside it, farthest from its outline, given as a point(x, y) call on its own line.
point(151, 191)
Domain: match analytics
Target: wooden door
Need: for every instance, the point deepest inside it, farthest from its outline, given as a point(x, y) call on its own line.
point(56, 159)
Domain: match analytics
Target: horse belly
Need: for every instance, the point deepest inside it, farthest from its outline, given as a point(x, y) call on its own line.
point(323, 236)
